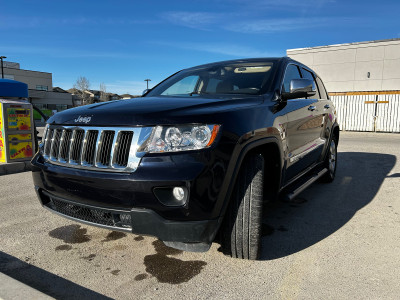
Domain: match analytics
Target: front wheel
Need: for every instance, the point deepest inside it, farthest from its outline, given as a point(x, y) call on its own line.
point(242, 224)
point(331, 161)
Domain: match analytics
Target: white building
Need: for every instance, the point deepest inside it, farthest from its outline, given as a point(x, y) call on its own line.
point(364, 66)
point(363, 80)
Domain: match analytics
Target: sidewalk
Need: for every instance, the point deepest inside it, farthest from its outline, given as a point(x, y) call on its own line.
point(15, 167)
point(14, 289)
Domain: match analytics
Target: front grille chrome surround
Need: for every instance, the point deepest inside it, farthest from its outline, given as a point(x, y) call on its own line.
point(112, 149)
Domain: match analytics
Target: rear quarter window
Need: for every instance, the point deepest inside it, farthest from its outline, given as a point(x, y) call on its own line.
point(308, 75)
point(321, 87)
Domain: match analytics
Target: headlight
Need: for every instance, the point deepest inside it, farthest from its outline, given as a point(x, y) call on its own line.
point(180, 138)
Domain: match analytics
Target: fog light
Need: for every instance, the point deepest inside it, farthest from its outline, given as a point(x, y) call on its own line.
point(172, 196)
point(178, 193)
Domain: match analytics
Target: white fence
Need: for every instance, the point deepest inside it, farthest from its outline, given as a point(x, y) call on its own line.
point(366, 111)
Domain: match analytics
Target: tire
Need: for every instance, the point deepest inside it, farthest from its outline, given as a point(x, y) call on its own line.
point(241, 231)
point(331, 161)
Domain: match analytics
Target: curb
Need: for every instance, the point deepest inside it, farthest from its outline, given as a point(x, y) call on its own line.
point(14, 289)
point(15, 167)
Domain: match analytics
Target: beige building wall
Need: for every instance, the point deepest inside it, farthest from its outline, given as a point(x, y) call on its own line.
point(40, 86)
point(32, 78)
point(365, 66)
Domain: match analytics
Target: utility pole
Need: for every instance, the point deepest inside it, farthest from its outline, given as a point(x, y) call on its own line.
point(147, 80)
point(2, 70)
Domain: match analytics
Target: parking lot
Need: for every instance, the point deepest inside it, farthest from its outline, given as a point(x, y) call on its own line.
point(336, 241)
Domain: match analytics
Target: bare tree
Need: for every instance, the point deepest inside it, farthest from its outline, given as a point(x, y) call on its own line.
point(103, 92)
point(81, 86)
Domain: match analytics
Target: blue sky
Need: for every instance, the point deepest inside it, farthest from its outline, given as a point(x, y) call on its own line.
point(121, 43)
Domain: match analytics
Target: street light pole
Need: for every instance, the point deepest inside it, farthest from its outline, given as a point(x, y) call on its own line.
point(147, 80)
point(2, 70)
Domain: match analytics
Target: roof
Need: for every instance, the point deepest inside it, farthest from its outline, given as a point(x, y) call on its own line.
point(59, 90)
point(13, 88)
point(347, 44)
point(239, 61)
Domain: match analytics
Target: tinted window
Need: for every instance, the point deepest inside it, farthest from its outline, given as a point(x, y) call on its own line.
point(292, 72)
point(230, 78)
point(212, 85)
point(324, 94)
point(309, 75)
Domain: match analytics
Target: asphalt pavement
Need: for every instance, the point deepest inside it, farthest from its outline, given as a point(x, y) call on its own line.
point(336, 241)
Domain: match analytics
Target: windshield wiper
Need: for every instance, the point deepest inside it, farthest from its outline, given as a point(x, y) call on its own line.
point(197, 93)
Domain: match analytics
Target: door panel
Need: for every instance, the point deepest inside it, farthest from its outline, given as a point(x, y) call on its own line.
point(305, 127)
point(303, 133)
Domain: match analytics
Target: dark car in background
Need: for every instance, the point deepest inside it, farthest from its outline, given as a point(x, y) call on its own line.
point(197, 156)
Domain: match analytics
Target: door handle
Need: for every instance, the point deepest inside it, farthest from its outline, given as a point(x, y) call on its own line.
point(326, 106)
point(312, 108)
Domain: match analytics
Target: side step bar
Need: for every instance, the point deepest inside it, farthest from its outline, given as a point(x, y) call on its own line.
point(290, 196)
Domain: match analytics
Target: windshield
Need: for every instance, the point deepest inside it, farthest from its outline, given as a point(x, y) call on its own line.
point(239, 78)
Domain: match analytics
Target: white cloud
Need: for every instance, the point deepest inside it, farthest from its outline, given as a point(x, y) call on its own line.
point(275, 25)
point(17, 22)
point(65, 52)
point(245, 22)
point(233, 50)
point(196, 20)
point(281, 4)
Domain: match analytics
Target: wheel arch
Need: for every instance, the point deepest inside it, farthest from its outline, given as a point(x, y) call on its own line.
point(271, 149)
point(336, 132)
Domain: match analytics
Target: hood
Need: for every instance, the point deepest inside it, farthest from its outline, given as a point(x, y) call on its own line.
point(152, 110)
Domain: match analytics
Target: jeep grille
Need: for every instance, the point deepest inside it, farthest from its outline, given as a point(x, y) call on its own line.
point(95, 148)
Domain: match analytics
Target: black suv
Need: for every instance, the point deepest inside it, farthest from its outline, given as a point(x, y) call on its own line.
point(199, 154)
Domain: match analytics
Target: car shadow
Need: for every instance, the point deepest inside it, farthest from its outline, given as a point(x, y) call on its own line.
point(322, 209)
point(44, 281)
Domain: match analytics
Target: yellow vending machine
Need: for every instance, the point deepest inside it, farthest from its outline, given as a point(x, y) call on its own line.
point(16, 131)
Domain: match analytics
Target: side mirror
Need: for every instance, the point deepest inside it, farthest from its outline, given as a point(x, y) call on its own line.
point(300, 88)
point(145, 92)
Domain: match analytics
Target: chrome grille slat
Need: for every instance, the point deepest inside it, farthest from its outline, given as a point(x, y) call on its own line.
point(121, 151)
point(63, 155)
point(104, 150)
point(55, 144)
point(98, 146)
point(110, 149)
point(84, 143)
point(114, 147)
point(89, 152)
point(71, 146)
point(47, 143)
point(75, 154)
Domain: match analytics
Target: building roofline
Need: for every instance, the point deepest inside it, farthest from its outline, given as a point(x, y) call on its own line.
point(345, 44)
point(28, 70)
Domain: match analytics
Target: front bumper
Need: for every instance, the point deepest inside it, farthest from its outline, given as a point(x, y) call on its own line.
point(189, 235)
point(127, 202)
